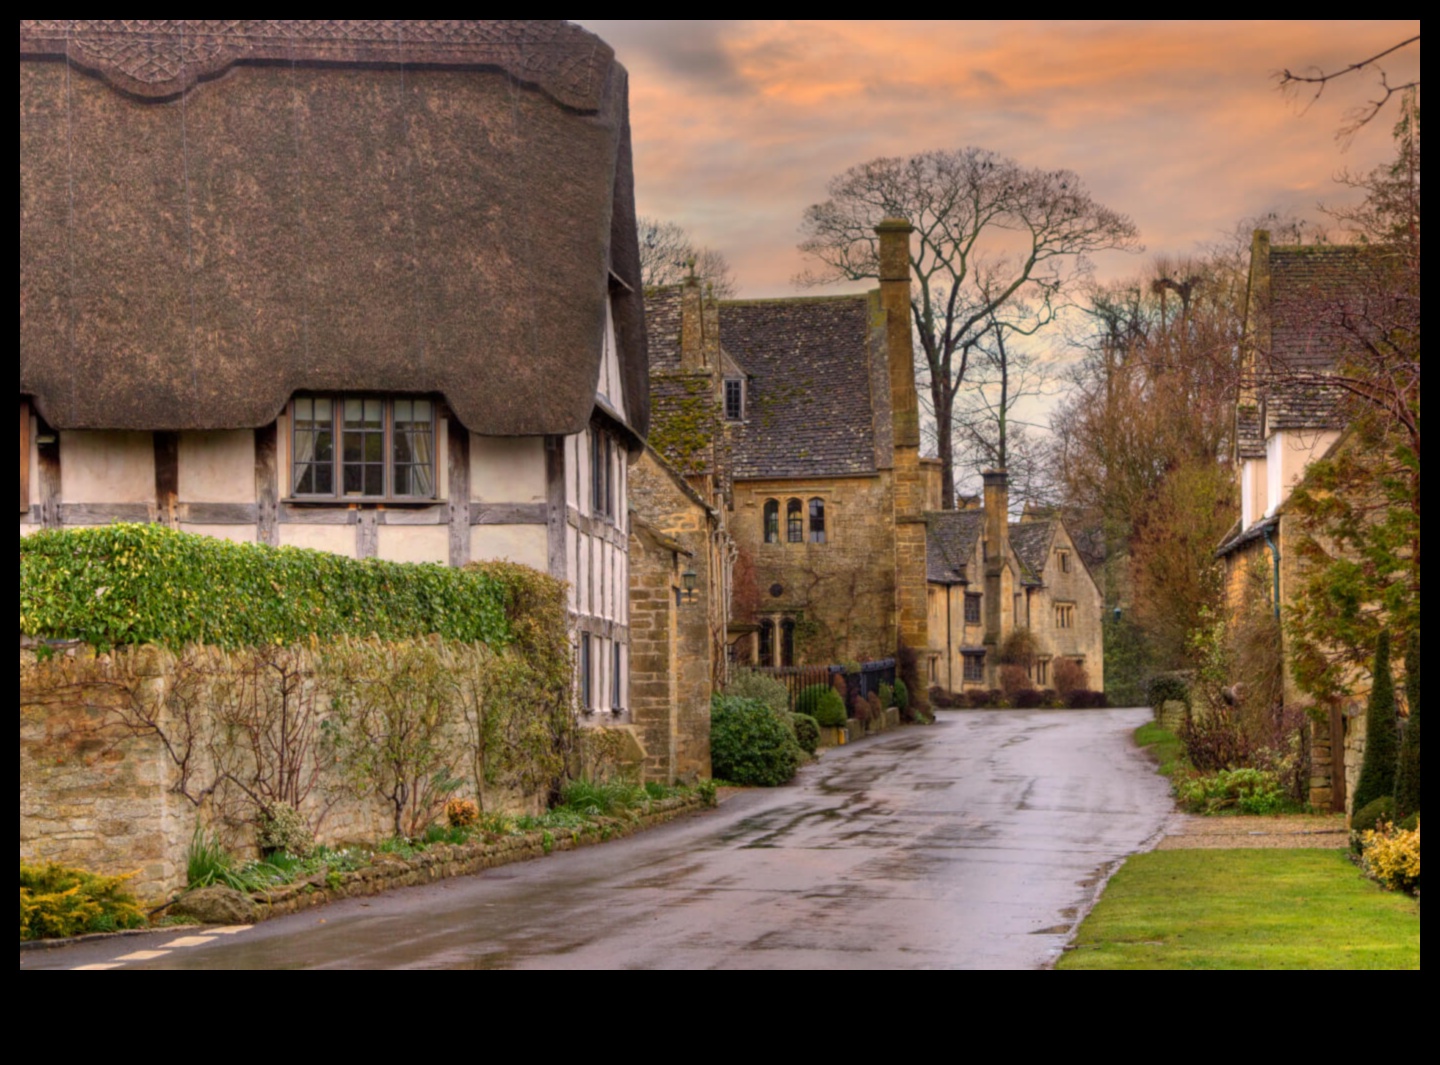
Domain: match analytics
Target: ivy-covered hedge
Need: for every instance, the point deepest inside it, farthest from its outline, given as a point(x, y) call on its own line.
point(136, 584)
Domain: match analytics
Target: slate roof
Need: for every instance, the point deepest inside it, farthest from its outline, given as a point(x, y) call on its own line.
point(1312, 291)
point(950, 539)
point(1249, 432)
point(810, 405)
point(403, 206)
point(1031, 543)
point(662, 321)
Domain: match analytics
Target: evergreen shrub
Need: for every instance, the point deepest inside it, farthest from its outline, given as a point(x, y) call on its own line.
point(1165, 688)
point(1373, 814)
point(750, 684)
point(749, 745)
point(1377, 769)
point(57, 901)
point(824, 704)
point(902, 698)
point(147, 584)
point(807, 732)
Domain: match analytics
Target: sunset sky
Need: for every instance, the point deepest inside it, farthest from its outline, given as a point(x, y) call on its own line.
point(739, 124)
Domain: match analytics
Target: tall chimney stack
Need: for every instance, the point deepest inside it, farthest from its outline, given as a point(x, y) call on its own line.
point(911, 615)
point(997, 529)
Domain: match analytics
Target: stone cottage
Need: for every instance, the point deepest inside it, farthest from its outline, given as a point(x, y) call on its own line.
point(989, 576)
point(1286, 419)
point(367, 286)
point(799, 419)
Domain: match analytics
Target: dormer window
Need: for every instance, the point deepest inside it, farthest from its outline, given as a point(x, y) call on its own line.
point(734, 399)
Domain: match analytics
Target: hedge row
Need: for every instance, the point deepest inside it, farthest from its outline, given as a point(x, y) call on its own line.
point(135, 584)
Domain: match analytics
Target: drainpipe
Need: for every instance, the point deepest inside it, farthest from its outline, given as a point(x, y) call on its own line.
point(1274, 550)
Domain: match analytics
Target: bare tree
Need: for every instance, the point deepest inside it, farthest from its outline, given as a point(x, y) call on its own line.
point(668, 255)
point(996, 242)
point(1314, 80)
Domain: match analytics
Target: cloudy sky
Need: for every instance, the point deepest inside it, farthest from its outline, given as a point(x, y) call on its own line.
point(739, 124)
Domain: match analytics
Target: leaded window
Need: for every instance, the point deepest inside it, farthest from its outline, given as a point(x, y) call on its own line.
point(975, 667)
point(972, 609)
point(817, 521)
point(386, 447)
point(734, 399)
point(794, 522)
point(772, 521)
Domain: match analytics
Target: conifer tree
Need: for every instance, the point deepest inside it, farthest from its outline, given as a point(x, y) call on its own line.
point(1377, 771)
point(1407, 772)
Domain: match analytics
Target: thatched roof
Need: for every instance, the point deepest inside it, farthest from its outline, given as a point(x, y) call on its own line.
point(216, 214)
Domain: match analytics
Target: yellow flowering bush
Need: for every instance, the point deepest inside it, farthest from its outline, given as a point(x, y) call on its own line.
point(462, 813)
point(1392, 857)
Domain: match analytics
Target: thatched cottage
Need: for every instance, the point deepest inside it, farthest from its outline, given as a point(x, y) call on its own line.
point(368, 286)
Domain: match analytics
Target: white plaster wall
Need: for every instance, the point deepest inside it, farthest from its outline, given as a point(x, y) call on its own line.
point(240, 534)
point(572, 470)
point(507, 469)
point(572, 566)
point(609, 385)
point(1287, 454)
point(414, 543)
point(217, 467)
point(107, 467)
point(1254, 488)
point(526, 544)
point(337, 539)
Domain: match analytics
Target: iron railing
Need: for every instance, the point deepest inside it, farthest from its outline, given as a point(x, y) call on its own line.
point(864, 680)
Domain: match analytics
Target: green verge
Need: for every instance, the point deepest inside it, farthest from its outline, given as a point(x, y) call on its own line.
point(1162, 745)
point(1246, 909)
point(146, 584)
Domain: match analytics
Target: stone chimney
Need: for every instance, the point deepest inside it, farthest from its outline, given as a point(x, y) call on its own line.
point(692, 325)
point(911, 614)
point(997, 531)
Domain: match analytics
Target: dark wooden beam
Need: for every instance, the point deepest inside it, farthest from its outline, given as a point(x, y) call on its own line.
point(267, 485)
point(167, 476)
point(459, 490)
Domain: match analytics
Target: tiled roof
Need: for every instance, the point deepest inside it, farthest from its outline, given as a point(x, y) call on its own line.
point(1031, 543)
point(1312, 290)
point(950, 538)
point(1249, 432)
point(810, 411)
point(662, 322)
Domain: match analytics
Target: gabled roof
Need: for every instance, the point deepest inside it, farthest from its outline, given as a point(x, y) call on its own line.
point(1030, 541)
point(810, 410)
point(410, 206)
point(950, 539)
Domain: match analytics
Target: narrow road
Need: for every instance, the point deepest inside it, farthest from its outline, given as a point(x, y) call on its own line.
point(974, 844)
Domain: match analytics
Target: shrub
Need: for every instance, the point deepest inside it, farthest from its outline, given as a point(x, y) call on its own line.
point(1019, 649)
point(902, 699)
point(749, 684)
point(1013, 679)
point(58, 901)
point(462, 813)
point(1085, 699)
point(1373, 814)
point(981, 698)
point(887, 694)
point(1250, 791)
point(877, 709)
point(1392, 857)
point(860, 708)
point(283, 829)
point(1069, 676)
point(1166, 688)
point(807, 732)
point(1026, 699)
point(1215, 741)
point(1051, 698)
point(825, 705)
point(908, 685)
point(1407, 770)
point(749, 745)
point(1377, 769)
point(939, 697)
point(136, 584)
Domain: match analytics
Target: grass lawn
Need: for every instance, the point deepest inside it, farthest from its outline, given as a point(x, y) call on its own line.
point(1162, 745)
point(1246, 909)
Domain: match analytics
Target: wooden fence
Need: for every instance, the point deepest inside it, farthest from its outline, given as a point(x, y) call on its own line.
point(866, 679)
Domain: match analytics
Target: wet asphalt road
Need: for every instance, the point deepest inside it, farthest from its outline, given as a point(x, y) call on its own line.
point(973, 844)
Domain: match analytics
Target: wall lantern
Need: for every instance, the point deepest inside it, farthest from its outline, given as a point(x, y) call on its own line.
point(686, 592)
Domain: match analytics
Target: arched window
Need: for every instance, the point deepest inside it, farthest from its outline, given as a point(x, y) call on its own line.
point(772, 521)
point(794, 522)
point(787, 642)
point(817, 521)
point(767, 642)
